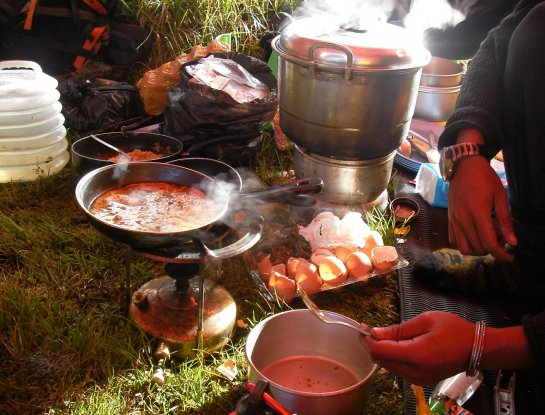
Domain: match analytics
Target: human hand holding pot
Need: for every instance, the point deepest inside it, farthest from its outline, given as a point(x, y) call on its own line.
point(422, 349)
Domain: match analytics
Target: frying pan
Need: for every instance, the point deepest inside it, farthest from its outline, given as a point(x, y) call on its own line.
point(98, 181)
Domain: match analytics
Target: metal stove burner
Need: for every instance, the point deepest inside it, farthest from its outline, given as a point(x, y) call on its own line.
point(184, 310)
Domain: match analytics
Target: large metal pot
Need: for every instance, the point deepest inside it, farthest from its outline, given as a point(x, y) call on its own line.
point(297, 334)
point(344, 91)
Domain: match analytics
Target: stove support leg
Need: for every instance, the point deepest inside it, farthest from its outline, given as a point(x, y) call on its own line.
point(128, 276)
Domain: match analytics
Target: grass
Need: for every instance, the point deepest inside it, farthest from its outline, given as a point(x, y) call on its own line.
point(177, 25)
point(67, 345)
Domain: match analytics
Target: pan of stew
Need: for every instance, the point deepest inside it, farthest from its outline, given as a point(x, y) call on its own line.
point(160, 205)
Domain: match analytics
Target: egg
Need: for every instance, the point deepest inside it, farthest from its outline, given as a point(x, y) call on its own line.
point(384, 258)
point(308, 278)
point(293, 264)
point(264, 268)
point(358, 265)
point(332, 270)
point(405, 148)
point(279, 269)
point(343, 251)
point(282, 286)
point(319, 254)
point(372, 240)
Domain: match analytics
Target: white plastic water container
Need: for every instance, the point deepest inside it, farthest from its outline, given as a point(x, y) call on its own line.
point(32, 134)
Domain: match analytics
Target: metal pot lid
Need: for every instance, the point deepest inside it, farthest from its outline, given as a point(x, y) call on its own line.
point(329, 42)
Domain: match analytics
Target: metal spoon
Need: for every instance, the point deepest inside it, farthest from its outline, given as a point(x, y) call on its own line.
point(320, 314)
point(94, 137)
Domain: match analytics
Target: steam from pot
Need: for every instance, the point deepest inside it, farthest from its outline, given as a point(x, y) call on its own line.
point(423, 14)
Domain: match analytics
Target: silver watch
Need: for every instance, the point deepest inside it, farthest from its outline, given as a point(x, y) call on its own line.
point(450, 155)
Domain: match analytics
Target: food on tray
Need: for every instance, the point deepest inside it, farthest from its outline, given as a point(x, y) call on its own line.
point(359, 265)
point(327, 230)
point(343, 251)
point(320, 254)
point(384, 257)
point(340, 252)
point(372, 240)
point(264, 268)
point(293, 265)
point(307, 277)
point(155, 207)
point(282, 286)
point(332, 270)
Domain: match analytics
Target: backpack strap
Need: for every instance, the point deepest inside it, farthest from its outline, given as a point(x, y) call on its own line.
point(92, 44)
point(97, 6)
point(30, 14)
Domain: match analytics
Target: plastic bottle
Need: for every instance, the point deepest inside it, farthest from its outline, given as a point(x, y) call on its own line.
point(455, 390)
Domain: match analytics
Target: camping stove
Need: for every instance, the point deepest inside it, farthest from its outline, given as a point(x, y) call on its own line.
point(347, 182)
point(184, 310)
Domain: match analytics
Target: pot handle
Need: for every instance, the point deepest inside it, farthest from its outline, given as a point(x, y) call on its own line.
point(326, 45)
point(287, 193)
point(253, 228)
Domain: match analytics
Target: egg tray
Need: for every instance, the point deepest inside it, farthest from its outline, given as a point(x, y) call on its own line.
point(264, 290)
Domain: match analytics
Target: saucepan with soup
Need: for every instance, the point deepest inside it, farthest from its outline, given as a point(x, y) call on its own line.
point(88, 154)
point(159, 205)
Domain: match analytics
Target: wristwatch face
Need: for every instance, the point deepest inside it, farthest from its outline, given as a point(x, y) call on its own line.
point(446, 165)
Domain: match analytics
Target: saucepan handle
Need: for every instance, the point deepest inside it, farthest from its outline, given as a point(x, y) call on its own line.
point(290, 193)
point(253, 229)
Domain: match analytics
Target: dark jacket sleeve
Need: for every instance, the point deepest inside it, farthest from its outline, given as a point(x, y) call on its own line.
point(479, 105)
point(534, 327)
point(463, 40)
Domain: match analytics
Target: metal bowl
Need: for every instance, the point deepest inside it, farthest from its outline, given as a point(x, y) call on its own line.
point(404, 209)
point(441, 73)
point(436, 104)
point(88, 154)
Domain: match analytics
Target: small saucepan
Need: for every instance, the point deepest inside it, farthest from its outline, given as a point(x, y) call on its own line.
point(98, 181)
point(88, 154)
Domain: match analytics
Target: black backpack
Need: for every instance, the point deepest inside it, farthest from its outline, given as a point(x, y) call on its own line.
point(63, 35)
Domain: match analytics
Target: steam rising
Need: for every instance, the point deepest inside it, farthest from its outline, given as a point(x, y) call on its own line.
point(423, 14)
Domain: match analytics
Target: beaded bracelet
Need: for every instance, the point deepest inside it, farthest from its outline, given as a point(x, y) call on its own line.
point(477, 351)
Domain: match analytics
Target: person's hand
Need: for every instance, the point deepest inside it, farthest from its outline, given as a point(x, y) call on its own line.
point(424, 350)
point(475, 194)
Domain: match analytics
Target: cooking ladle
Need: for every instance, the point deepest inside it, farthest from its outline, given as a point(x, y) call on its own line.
point(320, 314)
point(94, 137)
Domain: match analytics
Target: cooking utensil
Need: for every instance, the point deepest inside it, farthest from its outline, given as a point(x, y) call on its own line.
point(118, 150)
point(436, 103)
point(332, 77)
point(87, 154)
point(299, 339)
point(442, 73)
point(311, 305)
point(346, 181)
point(96, 182)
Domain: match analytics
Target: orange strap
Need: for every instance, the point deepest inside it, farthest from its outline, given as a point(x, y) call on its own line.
point(92, 44)
point(96, 5)
point(30, 14)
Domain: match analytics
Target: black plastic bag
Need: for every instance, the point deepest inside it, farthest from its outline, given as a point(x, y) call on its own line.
point(198, 114)
point(99, 105)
